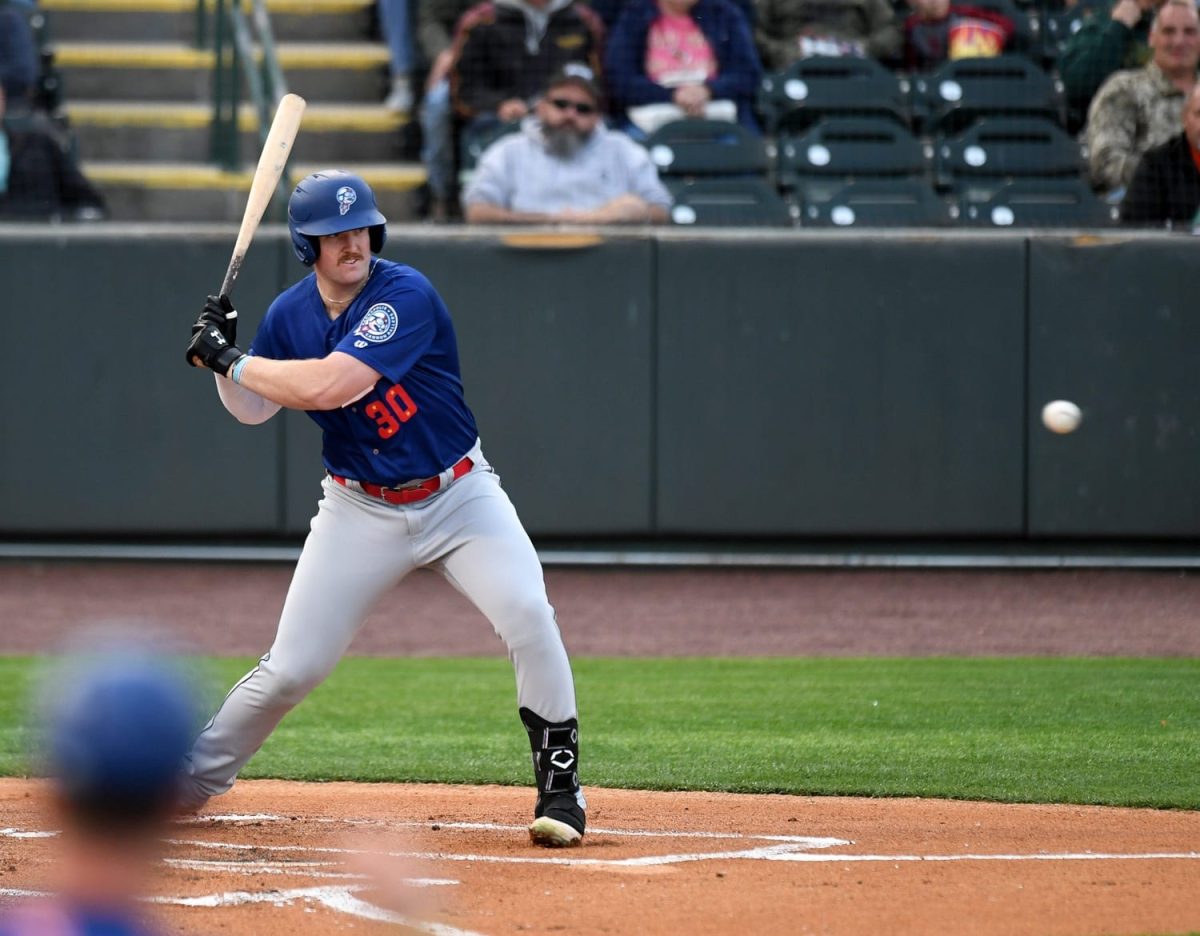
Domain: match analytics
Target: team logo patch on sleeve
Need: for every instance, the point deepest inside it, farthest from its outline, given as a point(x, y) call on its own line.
point(378, 324)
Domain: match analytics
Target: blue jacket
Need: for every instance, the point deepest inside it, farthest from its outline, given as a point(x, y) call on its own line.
point(728, 33)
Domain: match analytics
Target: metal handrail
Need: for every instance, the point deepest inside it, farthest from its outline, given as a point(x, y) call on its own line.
point(236, 60)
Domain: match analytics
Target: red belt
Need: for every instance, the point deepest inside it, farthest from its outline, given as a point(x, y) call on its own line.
point(411, 493)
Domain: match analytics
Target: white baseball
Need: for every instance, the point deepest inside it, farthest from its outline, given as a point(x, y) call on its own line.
point(1061, 416)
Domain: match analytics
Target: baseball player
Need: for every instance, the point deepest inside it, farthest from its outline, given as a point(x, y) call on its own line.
point(116, 729)
point(367, 348)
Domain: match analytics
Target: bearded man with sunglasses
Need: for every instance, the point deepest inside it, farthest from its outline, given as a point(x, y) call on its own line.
point(566, 167)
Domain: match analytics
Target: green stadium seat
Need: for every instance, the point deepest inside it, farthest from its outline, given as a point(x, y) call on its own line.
point(837, 150)
point(879, 203)
point(1040, 203)
point(706, 147)
point(961, 91)
point(728, 201)
point(812, 88)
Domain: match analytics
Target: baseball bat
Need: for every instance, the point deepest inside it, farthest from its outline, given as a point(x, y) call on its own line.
point(275, 152)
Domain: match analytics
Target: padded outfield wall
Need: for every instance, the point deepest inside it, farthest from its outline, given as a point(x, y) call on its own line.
point(678, 385)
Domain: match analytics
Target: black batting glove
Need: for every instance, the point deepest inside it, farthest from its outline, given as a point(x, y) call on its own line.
point(212, 349)
point(219, 311)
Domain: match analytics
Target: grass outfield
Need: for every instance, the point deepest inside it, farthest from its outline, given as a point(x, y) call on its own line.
point(1110, 731)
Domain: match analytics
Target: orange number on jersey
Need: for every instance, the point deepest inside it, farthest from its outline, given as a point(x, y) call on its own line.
point(400, 409)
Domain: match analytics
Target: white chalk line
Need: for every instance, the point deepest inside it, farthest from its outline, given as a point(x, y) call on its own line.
point(339, 899)
point(499, 827)
point(343, 899)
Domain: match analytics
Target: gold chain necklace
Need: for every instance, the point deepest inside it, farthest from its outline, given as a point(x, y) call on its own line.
point(362, 286)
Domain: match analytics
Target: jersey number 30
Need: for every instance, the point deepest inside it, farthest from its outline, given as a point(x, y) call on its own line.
point(400, 409)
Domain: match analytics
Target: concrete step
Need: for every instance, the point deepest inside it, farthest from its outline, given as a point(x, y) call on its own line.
point(169, 132)
point(174, 71)
point(175, 20)
point(193, 191)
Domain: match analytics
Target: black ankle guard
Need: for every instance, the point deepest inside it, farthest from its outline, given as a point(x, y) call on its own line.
point(555, 747)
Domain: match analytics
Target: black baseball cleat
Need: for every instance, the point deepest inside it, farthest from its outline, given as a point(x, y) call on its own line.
point(560, 814)
point(558, 821)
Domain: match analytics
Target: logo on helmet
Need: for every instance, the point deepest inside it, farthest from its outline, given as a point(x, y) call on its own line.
point(346, 197)
point(378, 324)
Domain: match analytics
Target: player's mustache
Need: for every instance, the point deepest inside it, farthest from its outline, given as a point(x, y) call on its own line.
point(350, 255)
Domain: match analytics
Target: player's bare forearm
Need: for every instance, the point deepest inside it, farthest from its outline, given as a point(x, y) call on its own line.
point(315, 384)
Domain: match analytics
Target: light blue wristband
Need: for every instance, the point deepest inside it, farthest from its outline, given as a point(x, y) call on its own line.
point(235, 372)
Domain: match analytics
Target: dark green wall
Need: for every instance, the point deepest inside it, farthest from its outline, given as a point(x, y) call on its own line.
point(1115, 327)
point(790, 384)
point(841, 388)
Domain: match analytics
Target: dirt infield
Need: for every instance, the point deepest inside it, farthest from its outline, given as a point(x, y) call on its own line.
point(274, 858)
point(277, 858)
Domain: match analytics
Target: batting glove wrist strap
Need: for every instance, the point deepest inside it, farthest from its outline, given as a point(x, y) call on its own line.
point(213, 350)
point(235, 372)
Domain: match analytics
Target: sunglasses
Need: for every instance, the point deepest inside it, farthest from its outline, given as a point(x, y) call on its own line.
point(583, 109)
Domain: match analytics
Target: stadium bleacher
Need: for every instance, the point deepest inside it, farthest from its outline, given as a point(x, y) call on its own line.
point(975, 140)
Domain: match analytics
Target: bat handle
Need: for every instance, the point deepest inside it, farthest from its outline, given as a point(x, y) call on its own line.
point(231, 274)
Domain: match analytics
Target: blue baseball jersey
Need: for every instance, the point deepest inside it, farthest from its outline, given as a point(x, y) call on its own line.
point(63, 919)
point(414, 423)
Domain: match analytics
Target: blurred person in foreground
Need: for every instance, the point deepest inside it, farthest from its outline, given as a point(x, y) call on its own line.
point(1136, 110)
point(115, 731)
point(1166, 184)
point(565, 166)
point(38, 180)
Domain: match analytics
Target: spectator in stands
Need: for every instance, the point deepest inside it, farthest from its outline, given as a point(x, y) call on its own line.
point(939, 30)
point(1166, 184)
point(567, 167)
point(506, 51)
point(1135, 110)
point(610, 11)
point(1111, 38)
point(18, 54)
point(395, 22)
point(436, 20)
point(792, 29)
point(682, 58)
point(39, 180)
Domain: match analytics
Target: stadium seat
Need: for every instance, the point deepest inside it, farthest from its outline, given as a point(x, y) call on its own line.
point(1057, 29)
point(880, 203)
point(706, 147)
point(836, 150)
point(728, 201)
point(992, 151)
point(811, 88)
point(1040, 203)
point(960, 91)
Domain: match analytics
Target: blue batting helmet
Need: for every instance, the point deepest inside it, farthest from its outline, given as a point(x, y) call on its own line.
point(117, 735)
point(329, 202)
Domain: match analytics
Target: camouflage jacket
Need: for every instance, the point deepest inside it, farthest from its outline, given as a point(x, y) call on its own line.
point(1132, 111)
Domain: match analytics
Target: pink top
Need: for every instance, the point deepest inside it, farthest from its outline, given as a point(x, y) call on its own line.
point(677, 52)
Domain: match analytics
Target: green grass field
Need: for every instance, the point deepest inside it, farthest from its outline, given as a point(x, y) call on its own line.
point(1110, 731)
